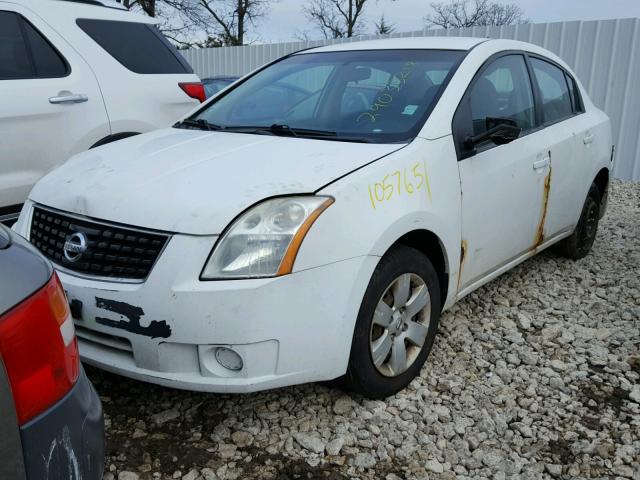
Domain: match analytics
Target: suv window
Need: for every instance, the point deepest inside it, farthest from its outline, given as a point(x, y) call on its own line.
point(503, 90)
point(48, 62)
point(25, 53)
point(556, 98)
point(139, 47)
point(14, 57)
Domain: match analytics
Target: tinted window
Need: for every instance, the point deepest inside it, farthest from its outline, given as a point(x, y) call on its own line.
point(139, 47)
point(503, 90)
point(14, 56)
point(556, 99)
point(47, 61)
point(377, 95)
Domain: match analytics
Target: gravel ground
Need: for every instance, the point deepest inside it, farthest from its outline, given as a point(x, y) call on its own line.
point(536, 375)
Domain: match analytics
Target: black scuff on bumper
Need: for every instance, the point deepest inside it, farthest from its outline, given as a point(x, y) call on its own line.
point(67, 441)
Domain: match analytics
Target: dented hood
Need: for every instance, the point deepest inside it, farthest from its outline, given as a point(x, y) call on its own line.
point(195, 182)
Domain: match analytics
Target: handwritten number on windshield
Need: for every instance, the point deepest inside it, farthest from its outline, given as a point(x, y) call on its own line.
point(385, 99)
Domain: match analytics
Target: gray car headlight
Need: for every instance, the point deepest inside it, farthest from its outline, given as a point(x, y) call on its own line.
point(264, 241)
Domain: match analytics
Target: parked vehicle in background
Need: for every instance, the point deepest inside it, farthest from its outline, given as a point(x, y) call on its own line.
point(75, 75)
point(213, 85)
point(51, 423)
point(323, 212)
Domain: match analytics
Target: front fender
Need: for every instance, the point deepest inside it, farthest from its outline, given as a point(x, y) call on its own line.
point(361, 223)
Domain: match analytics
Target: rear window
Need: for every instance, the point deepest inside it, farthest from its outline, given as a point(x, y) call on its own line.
point(139, 47)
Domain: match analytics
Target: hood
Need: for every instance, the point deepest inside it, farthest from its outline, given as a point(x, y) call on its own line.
point(195, 182)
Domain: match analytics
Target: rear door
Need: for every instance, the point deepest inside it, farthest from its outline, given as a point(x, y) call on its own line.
point(50, 105)
point(570, 142)
point(140, 72)
point(502, 185)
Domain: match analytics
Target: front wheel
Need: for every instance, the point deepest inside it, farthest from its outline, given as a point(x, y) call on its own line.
point(396, 325)
point(579, 243)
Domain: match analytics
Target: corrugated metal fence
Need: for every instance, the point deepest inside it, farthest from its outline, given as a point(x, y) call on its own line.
point(604, 54)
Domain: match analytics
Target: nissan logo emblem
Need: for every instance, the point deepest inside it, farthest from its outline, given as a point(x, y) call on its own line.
point(74, 246)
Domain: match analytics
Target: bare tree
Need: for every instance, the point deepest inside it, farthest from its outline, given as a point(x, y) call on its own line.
point(227, 20)
point(384, 28)
point(470, 13)
point(147, 6)
point(336, 18)
point(222, 22)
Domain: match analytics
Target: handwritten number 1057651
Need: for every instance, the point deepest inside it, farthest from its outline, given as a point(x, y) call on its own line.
point(407, 181)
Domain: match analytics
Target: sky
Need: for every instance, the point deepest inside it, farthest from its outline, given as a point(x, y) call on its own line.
point(286, 21)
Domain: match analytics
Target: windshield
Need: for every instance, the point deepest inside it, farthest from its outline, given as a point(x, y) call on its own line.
point(374, 95)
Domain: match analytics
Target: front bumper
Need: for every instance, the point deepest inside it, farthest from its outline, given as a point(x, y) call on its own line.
point(67, 441)
point(288, 330)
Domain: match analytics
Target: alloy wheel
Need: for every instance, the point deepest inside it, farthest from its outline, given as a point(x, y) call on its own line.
point(400, 325)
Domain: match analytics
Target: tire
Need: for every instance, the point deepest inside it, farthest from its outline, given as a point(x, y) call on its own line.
point(579, 243)
point(400, 267)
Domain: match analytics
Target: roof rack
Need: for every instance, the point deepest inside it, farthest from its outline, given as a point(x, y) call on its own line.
point(100, 3)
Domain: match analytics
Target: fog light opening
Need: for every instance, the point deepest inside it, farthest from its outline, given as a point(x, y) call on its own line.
point(229, 359)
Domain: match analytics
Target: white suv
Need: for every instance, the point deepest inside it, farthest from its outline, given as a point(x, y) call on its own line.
point(77, 74)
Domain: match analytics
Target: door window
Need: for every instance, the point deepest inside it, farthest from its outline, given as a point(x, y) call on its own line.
point(556, 97)
point(503, 91)
point(48, 63)
point(14, 56)
point(25, 53)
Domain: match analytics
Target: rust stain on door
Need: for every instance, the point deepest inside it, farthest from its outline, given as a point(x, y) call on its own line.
point(463, 257)
point(545, 205)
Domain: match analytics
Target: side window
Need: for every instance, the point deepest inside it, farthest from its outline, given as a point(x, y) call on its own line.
point(14, 56)
point(503, 91)
point(556, 99)
point(153, 54)
point(25, 53)
point(48, 62)
point(576, 99)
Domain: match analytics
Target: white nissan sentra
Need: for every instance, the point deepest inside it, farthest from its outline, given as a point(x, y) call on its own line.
point(312, 221)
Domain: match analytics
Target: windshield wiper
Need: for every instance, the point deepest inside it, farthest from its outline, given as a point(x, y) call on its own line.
point(275, 129)
point(199, 123)
point(279, 129)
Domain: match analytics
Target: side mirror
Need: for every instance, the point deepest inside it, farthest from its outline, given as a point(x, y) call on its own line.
point(499, 130)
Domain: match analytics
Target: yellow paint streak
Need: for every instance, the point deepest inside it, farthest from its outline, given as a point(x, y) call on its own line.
point(545, 205)
point(426, 173)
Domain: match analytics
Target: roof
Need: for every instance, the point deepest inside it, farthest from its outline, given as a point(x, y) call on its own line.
point(102, 3)
point(422, 43)
point(69, 10)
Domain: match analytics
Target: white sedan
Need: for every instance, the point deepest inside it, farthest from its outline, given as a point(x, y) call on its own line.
point(314, 220)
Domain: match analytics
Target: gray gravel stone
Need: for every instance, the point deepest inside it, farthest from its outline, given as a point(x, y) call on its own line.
point(310, 442)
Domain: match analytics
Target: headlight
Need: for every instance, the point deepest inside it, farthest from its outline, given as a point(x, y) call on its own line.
point(264, 241)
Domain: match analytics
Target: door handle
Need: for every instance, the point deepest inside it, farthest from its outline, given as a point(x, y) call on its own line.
point(79, 98)
point(588, 139)
point(539, 164)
